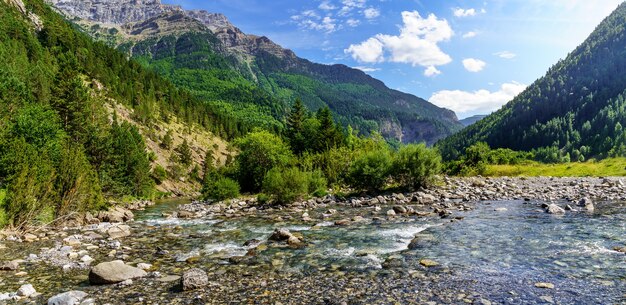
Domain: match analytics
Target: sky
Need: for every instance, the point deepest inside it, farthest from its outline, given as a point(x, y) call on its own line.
point(468, 56)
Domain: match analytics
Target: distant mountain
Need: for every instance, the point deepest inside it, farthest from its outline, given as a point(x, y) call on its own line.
point(472, 120)
point(250, 78)
point(576, 111)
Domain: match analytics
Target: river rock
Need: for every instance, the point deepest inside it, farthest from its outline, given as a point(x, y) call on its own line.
point(30, 237)
point(399, 209)
point(544, 285)
point(185, 214)
point(117, 214)
point(342, 222)
point(194, 279)
point(394, 262)
point(554, 209)
point(281, 235)
point(113, 272)
point(391, 213)
point(428, 263)
point(67, 298)
point(118, 231)
point(26, 291)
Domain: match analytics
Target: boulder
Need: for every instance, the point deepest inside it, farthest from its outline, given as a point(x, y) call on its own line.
point(399, 209)
point(194, 279)
point(67, 298)
point(113, 272)
point(26, 291)
point(118, 231)
point(391, 213)
point(554, 209)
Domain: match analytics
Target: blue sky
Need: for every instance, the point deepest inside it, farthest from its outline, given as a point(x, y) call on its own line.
point(468, 56)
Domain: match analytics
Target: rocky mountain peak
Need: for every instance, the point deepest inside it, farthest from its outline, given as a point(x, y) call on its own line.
point(114, 11)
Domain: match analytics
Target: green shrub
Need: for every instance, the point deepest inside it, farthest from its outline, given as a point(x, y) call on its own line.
point(415, 165)
point(370, 171)
point(289, 185)
point(159, 174)
point(317, 184)
point(221, 189)
point(263, 198)
point(260, 151)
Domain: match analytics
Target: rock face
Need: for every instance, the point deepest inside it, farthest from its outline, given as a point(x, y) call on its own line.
point(194, 279)
point(113, 272)
point(67, 298)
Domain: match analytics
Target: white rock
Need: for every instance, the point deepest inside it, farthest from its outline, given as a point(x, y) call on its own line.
point(26, 291)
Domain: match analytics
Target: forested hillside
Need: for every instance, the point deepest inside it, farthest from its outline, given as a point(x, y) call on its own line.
point(252, 81)
point(62, 149)
point(575, 112)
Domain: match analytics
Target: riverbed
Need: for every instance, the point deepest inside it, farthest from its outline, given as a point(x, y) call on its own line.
point(498, 252)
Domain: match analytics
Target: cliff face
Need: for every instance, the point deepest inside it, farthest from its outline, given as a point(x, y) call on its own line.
point(113, 11)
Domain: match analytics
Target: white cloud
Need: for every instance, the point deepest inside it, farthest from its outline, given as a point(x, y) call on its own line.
point(326, 6)
point(367, 69)
point(349, 5)
point(369, 51)
point(474, 65)
point(505, 55)
point(481, 101)
point(470, 34)
point(309, 19)
point(459, 12)
point(417, 43)
point(353, 22)
point(431, 71)
point(371, 13)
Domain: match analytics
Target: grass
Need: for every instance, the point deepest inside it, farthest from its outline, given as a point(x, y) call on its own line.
point(608, 167)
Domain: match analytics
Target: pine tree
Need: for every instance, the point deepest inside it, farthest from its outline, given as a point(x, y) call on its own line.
point(295, 126)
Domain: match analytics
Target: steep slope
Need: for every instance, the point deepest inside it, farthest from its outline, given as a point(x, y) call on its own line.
point(472, 120)
point(79, 123)
point(575, 111)
point(209, 50)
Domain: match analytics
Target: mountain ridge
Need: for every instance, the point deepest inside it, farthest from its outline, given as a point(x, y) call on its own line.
point(575, 112)
point(277, 70)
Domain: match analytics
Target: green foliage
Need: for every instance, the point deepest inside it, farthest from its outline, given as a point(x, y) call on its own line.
point(167, 141)
point(184, 153)
point(259, 152)
point(221, 189)
point(159, 174)
point(77, 183)
point(580, 102)
point(415, 165)
point(371, 170)
point(291, 184)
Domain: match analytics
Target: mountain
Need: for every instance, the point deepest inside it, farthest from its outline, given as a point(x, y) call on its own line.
point(575, 112)
point(249, 78)
point(80, 124)
point(472, 120)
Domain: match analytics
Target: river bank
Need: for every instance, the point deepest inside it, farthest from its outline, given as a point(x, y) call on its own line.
point(474, 240)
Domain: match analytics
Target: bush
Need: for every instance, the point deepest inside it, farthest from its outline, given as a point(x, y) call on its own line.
point(371, 170)
point(263, 198)
point(221, 189)
point(415, 165)
point(289, 185)
point(159, 174)
point(260, 151)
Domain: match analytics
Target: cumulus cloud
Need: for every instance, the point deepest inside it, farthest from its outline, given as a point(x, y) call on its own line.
point(505, 55)
point(459, 12)
point(481, 101)
point(474, 65)
point(470, 34)
point(371, 13)
point(431, 71)
point(417, 43)
point(369, 51)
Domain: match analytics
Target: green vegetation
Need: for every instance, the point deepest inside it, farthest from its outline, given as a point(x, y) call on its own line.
point(221, 189)
point(60, 149)
point(577, 111)
point(415, 166)
point(606, 167)
point(291, 184)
